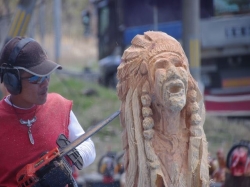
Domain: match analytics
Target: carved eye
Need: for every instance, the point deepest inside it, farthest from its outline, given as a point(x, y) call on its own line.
point(161, 64)
point(176, 62)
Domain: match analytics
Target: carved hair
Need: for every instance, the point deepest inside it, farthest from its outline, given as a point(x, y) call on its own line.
point(140, 112)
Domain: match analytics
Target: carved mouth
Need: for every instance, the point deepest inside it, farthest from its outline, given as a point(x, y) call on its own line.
point(174, 95)
point(175, 87)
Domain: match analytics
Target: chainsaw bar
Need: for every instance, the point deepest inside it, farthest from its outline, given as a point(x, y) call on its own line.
point(88, 134)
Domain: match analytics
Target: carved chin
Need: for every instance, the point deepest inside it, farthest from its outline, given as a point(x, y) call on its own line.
point(176, 104)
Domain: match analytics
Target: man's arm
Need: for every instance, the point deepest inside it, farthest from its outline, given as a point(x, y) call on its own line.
point(85, 149)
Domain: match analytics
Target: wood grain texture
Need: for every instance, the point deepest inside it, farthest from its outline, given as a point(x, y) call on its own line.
point(162, 115)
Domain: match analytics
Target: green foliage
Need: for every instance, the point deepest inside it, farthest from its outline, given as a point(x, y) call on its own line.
point(223, 132)
point(88, 109)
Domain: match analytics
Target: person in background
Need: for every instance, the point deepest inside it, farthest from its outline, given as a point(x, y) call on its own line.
point(31, 119)
point(219, 175)
point(86, 18)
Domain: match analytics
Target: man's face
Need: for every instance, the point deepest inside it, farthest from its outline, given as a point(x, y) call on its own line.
point(170, 81)
point(31, 93)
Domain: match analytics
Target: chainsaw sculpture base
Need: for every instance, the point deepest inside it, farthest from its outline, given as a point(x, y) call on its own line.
point(162, 115)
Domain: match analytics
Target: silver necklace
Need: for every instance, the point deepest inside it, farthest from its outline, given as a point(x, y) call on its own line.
point(28, 123)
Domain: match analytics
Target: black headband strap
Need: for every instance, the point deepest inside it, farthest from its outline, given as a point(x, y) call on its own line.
point(17, 49)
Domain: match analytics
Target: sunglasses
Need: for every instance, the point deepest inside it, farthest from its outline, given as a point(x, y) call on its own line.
point(36, 79)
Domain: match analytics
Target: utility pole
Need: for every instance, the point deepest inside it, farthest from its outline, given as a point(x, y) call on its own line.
point(154, 5)
point(57, 31)
point(191, 37)
point(155, 12)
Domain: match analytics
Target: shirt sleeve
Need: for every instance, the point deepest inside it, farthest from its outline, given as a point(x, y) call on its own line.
point(85, 149)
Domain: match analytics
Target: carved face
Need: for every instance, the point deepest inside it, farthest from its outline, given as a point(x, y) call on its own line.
point(170, 78)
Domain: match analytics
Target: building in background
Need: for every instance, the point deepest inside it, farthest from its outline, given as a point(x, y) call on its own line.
point(224, 42)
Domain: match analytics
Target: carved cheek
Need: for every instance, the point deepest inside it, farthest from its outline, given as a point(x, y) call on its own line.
point(184, 75)
point(160, 78)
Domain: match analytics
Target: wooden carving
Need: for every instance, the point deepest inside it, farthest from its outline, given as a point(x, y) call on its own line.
point(162, 115)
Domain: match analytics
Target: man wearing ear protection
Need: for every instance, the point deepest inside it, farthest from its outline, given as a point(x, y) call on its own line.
point(31, 119)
